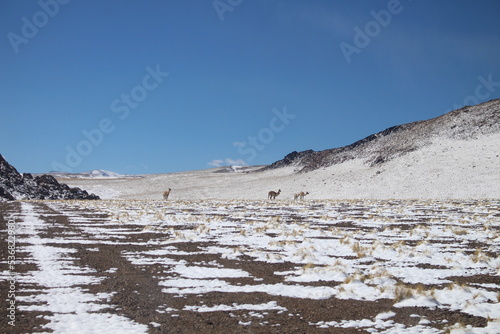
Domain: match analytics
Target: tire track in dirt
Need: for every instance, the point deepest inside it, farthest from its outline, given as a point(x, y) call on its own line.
point(137, 289)
point(135, 292)
point(24, 322)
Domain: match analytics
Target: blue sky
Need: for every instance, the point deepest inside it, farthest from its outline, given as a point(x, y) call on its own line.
point(161, 86)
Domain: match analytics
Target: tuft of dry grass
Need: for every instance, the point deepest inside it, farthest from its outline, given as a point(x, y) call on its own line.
point(459, 231)
point(345, 240)
point(402, 292)
point(479, 256)
point(361, 251)
point(309, 265)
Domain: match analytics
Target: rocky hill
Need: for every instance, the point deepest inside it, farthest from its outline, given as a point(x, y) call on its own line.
point(468, 122)
point(14, 185)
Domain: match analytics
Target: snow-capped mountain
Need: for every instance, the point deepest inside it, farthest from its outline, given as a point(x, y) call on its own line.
point(101, 173)
point(466, 123)
point(93, 174)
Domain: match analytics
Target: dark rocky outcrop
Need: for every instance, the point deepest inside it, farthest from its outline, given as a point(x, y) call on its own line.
point(14, 185)
point(291, 158)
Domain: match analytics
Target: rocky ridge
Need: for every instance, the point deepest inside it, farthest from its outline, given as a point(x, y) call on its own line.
point(469, 122)
point(14, 186)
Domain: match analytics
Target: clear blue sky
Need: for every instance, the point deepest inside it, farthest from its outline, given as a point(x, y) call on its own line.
point(160, 86)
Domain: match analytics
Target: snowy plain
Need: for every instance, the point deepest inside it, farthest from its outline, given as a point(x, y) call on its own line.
point(447, 169)
point(418, 254)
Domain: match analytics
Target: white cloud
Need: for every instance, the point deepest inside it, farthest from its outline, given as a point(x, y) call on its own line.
point(240, 162)
point(227, 161)
point(216, 163)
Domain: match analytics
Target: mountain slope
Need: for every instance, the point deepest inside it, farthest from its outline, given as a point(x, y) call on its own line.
point(100, 173)
point(14, 185)
point(466, 123)
point(447, 169)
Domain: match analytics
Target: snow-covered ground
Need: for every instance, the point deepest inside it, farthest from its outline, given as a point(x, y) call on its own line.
point(424, 255)
point(420, 232)
point(446, 169)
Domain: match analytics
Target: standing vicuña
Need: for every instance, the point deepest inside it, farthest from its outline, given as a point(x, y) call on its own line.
point(166, 193)
point(273, 194)
point(300, 195)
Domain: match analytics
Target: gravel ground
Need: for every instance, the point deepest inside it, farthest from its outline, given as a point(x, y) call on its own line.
point(136, 291)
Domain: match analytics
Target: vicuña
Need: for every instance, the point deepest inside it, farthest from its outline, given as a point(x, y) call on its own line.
point(166, 193)
point(273, 194)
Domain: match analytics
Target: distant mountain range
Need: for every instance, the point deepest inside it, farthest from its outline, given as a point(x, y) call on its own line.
point(236, 169)
point(101, 173)
point(93, 174)
point(469, 122)
point(14, 186)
